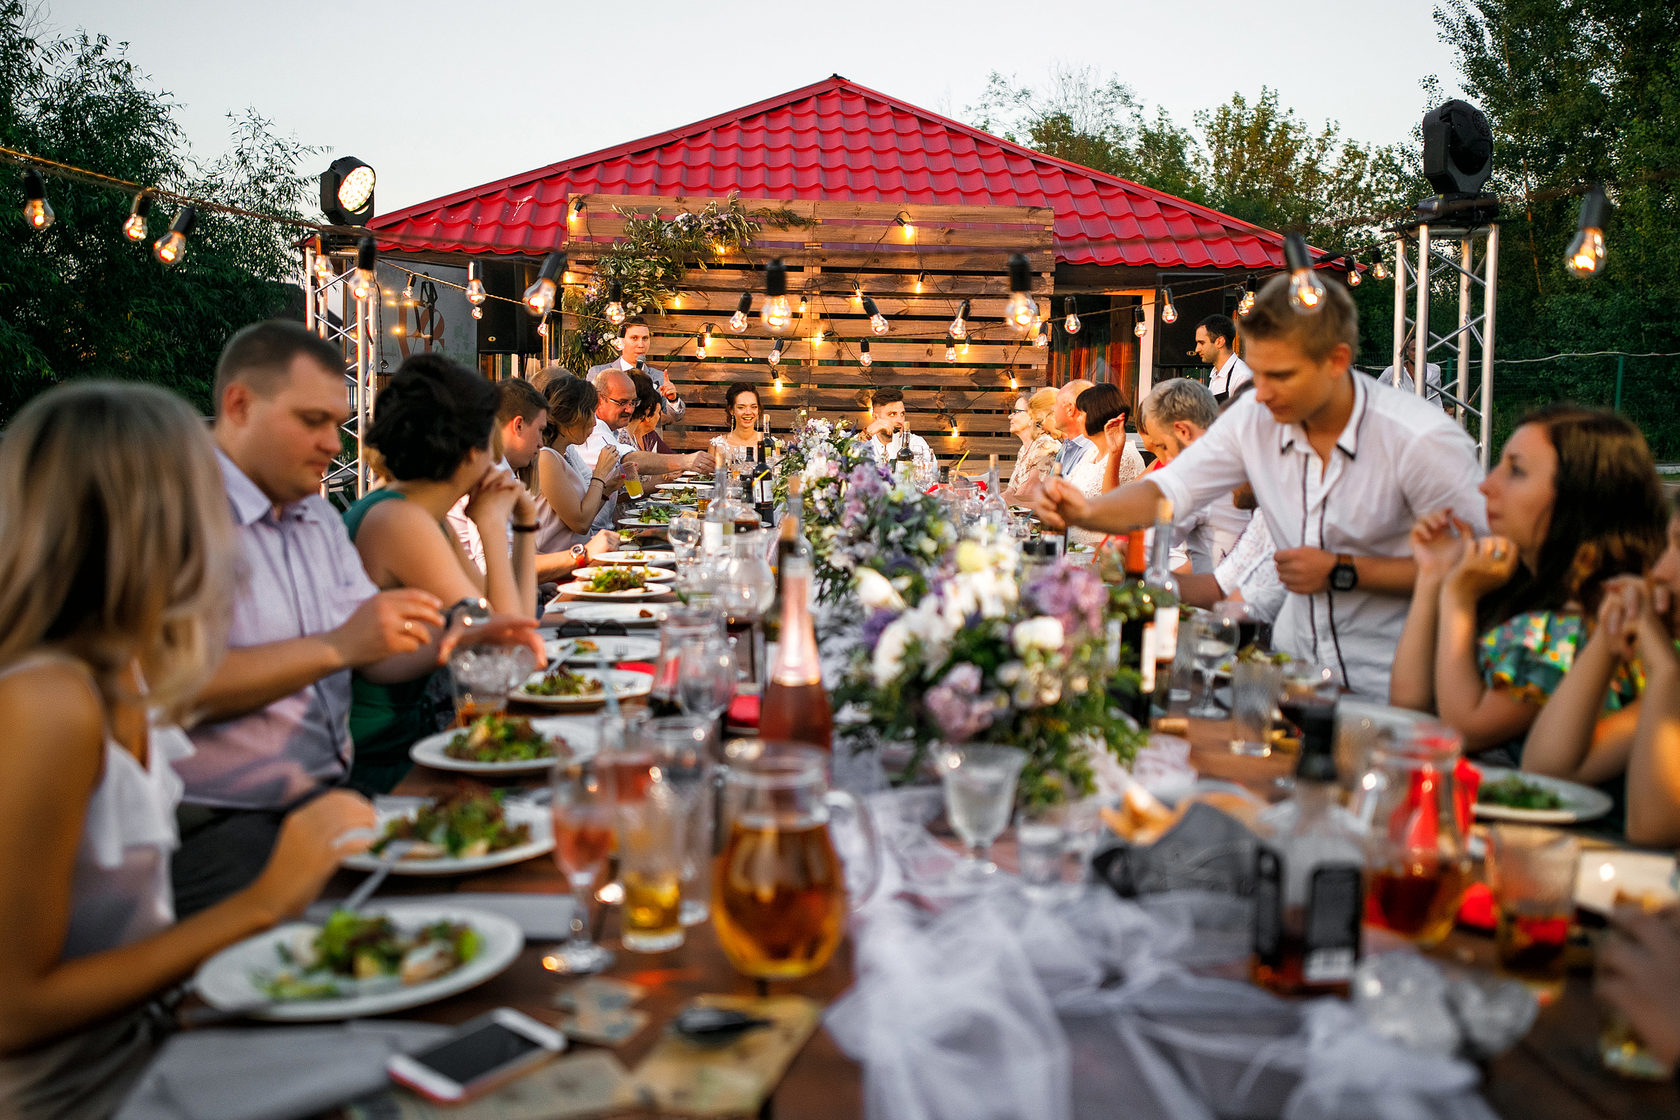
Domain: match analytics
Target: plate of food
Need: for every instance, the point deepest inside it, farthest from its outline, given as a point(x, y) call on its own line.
point(561, 687)
point(496, 744)
point(639, 557)
point(650, 517)
point(366, 962)
point(603, 649)
point(625, 614)
point(1512, 795)
point(1613, 876)
point(469, 830)
point(608, 574)
point(679, 493)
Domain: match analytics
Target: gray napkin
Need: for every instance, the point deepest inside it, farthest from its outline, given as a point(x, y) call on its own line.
point(270, 1073)
point(539, 916)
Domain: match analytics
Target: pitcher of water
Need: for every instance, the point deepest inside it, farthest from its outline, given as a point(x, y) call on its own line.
point(779, 892)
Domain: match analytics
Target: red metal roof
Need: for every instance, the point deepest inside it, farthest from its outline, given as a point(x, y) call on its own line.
point(839, 140)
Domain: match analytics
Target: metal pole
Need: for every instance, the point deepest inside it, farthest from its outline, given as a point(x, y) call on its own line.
point(1420, 320)
point(1621, 361)
point(1467, 258)
point(1399, 301)
point(1490, 288)
point(364, 392)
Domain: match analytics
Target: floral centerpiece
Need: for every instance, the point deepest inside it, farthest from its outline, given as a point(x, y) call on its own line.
point(985, 654)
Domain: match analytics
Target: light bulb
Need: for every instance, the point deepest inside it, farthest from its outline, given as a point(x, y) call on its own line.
point(36, 212)
point(362, 283)
point(804, 307)
point(323, 268)
point(614, 311)
point(1140, 328)
point(700, 349)
point(408, 289)
point(1354, 279)
point(777, 313)
point(577, 209)
point(172, 246)
point(1306, 290)
point(857, 292)
point(903, 219)
point(1072, 320)
point(542, 328)
point(877, 321)
point(950, 350)
point(135, 227)
point(1013, 383)
point(705, 341)
point(921, 278)
point(1169, 313)
point(959, 328)
point(962, 348)
point(738, 321)
point(478, 313)
point(1021, 311)
point(776, 353)
point(864, 359)
point(1585, 256)
point(1379, 270)
point(954, 428)
point(475, 291)
point(539, 297)
point(1041, 338)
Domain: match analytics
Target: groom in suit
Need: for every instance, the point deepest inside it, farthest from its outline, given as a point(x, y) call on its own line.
point(635, 336)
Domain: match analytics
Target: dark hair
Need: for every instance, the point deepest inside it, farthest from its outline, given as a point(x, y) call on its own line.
point(1100, 404)
point(647, 397)
point(261, 355)
point(1335, 324)
point(518, 397)
point(734, 393)
point(570, 399)
point(1219, 326)
point(632, 321)
point(886, 394)
point(1609, 517)
point(431, 415)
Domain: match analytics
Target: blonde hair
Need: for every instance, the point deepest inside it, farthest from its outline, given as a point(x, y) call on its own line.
point(1041, 408)
point(116, 539)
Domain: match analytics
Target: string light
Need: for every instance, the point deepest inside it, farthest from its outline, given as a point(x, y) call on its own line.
point(1585, 256)
point(864, 359)
point(1022, 309)
point(950, 348)
point(478, 313)
point(1354, 279)
point(1169, 313)
point(475, 287)
point(1246, 304)
point(135, 227)
point(1013, 384)
point(776, 355)
point(903, 219)
point(962, 348)
point(877, 321)
point(36, 211)
point(1041, 336)
point(539, 297)
point(804, 308)
point(615, 303)
point(738, 321)
point(363, 283)
point(577, 209)
point(1379, 270)
point(1141, 326)
point(954, 431)
point(704, 341)
point(817, 338)
point(1072, 320)
point(777, 313)
point(408, 290)
point(959, 326)
point(857, 292)
point(1306, 290)
point(172, 246)
point(921, 278)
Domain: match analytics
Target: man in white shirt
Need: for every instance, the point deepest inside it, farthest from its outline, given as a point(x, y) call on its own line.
point(1075, 445)
point(618, 402)
point(634, 338)
point(1402, 379)
point(1341, 470)
point(1214, 342)
point(1172, 417)
point(890, 429)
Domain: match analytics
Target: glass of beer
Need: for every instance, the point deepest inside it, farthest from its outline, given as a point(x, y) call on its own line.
point(482, 676)
point(650, 862)
point(779, 893)
point(1532, 873)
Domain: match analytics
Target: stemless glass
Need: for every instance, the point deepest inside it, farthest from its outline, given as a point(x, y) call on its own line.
point(1215, 643)
point(979, 781)
point(706, 677)
point(584, 808)
point(682, 749)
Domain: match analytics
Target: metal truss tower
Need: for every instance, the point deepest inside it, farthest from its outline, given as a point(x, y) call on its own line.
point(351, 327)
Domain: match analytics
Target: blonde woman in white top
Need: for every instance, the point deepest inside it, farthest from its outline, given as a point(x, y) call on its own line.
point(116, 570)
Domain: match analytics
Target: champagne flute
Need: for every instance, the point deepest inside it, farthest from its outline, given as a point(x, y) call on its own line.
point(584, 807)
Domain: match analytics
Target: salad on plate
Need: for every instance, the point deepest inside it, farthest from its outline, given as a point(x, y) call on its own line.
point(467, 824)
point(356, 954)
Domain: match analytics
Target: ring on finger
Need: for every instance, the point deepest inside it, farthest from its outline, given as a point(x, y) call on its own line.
point(408, 627)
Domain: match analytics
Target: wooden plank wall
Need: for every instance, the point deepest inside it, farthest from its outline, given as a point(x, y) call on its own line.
point(956, 253)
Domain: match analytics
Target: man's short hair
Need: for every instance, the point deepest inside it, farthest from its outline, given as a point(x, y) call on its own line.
point(1219, 327)
point(261, 356)
point(632, 321)
point(518, 397)
point(887, 394)
point(1335, 324)
point(1176, 399)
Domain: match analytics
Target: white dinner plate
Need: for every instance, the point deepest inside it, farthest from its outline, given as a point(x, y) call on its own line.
point(579, 740)
point(581, 591)
point(226, 980)
point(627, 685)
point(639, 557)
point(603, 649)
point(647, 571)
point(1602, 873)
point(1580, 803)
point(626, 614)
point(540, 843)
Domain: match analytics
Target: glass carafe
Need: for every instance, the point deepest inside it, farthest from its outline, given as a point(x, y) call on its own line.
point(1417, 816)
point(779, 896)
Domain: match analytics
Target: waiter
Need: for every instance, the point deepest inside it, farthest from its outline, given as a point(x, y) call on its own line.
point(1214, 339)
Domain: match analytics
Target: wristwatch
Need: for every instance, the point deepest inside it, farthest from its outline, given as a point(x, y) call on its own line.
point(578, 550)
point(1344, 576)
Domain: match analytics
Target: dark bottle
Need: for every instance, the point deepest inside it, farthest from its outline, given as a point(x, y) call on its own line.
point(1309, 881)
point(1160, 636)
point(795, 709)
point(764, 485)
point(1128, 634)
point(906, 460)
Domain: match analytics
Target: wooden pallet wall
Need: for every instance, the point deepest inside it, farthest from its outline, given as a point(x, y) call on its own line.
point(917, 282)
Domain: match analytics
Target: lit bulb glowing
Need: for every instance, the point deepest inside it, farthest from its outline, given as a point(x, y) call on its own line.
point(1306, 290)
point(1169, 313)
point(36, 212)
point(864, 359)
point(777, 313)
point(172, 246)
point(539, 297)
point(959, 325)
point(135, 227)
point(1585, 255)
point(877, 321)
point(738, 321)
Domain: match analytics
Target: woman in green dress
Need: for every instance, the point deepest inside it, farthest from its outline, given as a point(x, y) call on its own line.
point(433, 428)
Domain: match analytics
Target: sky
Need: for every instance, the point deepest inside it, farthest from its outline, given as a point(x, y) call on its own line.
point(442, 97)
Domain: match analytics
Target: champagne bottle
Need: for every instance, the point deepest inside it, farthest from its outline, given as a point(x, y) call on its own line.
point(994, 512)
point(795, 708)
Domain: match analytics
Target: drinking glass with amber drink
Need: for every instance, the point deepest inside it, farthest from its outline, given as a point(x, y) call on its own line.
point(1417, 861)
point(584, 810)
point(1531, 871)
point(779, 898)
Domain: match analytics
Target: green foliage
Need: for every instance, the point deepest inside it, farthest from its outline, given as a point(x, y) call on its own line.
point(79, 299)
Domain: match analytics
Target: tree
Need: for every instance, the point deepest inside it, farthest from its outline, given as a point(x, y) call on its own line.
point(78, 299)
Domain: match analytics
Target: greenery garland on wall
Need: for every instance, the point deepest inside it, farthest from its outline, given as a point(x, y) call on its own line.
point(649, 265)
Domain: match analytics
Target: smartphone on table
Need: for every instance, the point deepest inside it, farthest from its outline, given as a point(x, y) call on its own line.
point(481, 1054)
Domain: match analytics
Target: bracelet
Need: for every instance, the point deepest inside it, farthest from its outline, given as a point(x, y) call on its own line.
point(524, 528)
point(593, 480)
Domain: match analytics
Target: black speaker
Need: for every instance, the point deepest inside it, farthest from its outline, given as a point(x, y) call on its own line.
point(1457, 148)
point(506, 327)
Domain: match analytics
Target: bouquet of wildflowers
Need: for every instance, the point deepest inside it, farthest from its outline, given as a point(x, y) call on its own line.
point(983, 654)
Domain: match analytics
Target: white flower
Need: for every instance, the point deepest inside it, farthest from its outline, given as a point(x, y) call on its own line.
point(877, 592)
point(1041, 633)
point(971, 557)
point(888, 661)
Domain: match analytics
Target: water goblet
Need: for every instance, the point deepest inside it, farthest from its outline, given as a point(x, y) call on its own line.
point(584, 806)
point(1215, 643)
point(979, 781)
point(706, 677)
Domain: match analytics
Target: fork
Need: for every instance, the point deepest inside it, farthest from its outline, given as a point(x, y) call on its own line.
point(393, 852)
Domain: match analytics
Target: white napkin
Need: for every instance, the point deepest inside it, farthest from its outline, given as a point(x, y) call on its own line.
point(270, 1073)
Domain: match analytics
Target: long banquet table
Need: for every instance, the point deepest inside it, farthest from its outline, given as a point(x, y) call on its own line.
point(1553, 1073)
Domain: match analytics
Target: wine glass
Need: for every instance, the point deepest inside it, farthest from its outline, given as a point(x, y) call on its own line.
point(584, 808)
point(746, 587)
point(979, 781)
point(1215, 642)
point(706, 677)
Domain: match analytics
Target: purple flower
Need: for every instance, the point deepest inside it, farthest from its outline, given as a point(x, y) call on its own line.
point(954, 704)
point(873, 625)
point(1071, 593)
